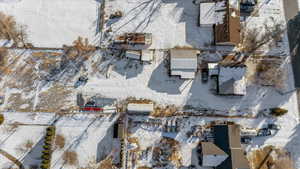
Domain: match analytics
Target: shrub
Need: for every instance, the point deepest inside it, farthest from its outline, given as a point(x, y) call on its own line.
point(1, 119)
point(70, 157)
point(60, 141)
point(278, 111)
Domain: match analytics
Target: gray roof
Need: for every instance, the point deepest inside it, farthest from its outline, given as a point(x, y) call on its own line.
point(183, 59)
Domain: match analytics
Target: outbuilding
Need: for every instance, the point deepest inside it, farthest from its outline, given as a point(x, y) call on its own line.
point(183, 63)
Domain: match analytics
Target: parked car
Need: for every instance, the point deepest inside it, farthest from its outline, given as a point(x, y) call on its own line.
point(274, 126)
point(246, 140)
point(204, 75)
point(82, 80)
point(264, 132)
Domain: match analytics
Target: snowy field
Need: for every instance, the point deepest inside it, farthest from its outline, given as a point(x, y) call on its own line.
point(84, 134)
point(54, 23)
point(171, 22)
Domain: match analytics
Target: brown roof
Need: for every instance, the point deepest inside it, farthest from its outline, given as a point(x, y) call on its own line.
point(239, 160)
point(227, 137)
point(228, 32)
point(209, 148)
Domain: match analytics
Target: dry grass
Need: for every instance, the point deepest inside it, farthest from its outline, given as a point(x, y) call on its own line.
point(165, 111)
point(54, 99)
point(10, 127)
point(107, 163)
point(134, 140)
point(3, 56)
point(70, 158)
point(168, 148)
point(267, 72)
point(10, 30)
point(28, 145)
point(60, 141)
point(144, 167)
point(278, 159)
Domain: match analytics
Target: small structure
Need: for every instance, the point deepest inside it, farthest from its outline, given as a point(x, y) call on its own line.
point(227, 27)
point(213, 69)
point(142, 55)
point(207, 16)
point(140, 108)
point(227, 141)
point(133, 54)
point(232, 80)
point(183, 63)
point(134, 38)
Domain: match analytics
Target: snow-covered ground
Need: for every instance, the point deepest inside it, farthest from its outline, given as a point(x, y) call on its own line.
point(55, 23)
point(172, 22)
point(84, 134)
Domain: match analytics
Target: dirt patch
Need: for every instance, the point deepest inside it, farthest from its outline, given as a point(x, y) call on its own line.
point(55, 99)
point(270, 158)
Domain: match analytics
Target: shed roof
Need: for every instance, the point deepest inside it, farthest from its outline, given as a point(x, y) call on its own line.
point(207, 13)
point(183, 59)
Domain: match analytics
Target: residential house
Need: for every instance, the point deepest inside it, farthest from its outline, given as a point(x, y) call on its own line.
point(232, 80)
point(224, 17)
point(226, 151)
point(183, 63)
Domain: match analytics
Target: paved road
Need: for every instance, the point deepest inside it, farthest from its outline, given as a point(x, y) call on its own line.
point(291, 8)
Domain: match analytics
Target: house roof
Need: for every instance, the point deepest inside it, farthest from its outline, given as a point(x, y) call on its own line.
point(209, 148)
point(183, 59)
point(207, 13)
point(231, 80)
point(228, 31)
point(227, 137)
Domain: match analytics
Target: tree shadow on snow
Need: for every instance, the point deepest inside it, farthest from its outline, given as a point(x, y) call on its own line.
point(294, 144)
point(128, 68)
point(160, 80)
point(105, 146)
point(33, 158)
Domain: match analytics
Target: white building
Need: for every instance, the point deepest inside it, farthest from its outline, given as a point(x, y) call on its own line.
point(144, 108)
point(183, 63)
point(232, 80)
point(143, 55)
point(207, 14)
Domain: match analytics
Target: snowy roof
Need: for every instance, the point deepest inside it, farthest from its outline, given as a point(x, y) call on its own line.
point(207, 13)
point(213, 69)
point(147, 55)
point(232, 80)
point(140, 108)
point(133, 54)
point(183, 59)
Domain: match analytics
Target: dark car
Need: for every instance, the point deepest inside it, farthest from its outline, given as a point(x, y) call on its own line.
point(82, 80)
point(246, 140)
point(204, 75)
point(264, 132)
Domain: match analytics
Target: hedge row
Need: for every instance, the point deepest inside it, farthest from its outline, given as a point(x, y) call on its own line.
point(1, 119)
point(47, 152)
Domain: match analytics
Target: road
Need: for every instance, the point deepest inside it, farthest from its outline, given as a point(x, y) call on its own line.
point(291, 8)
